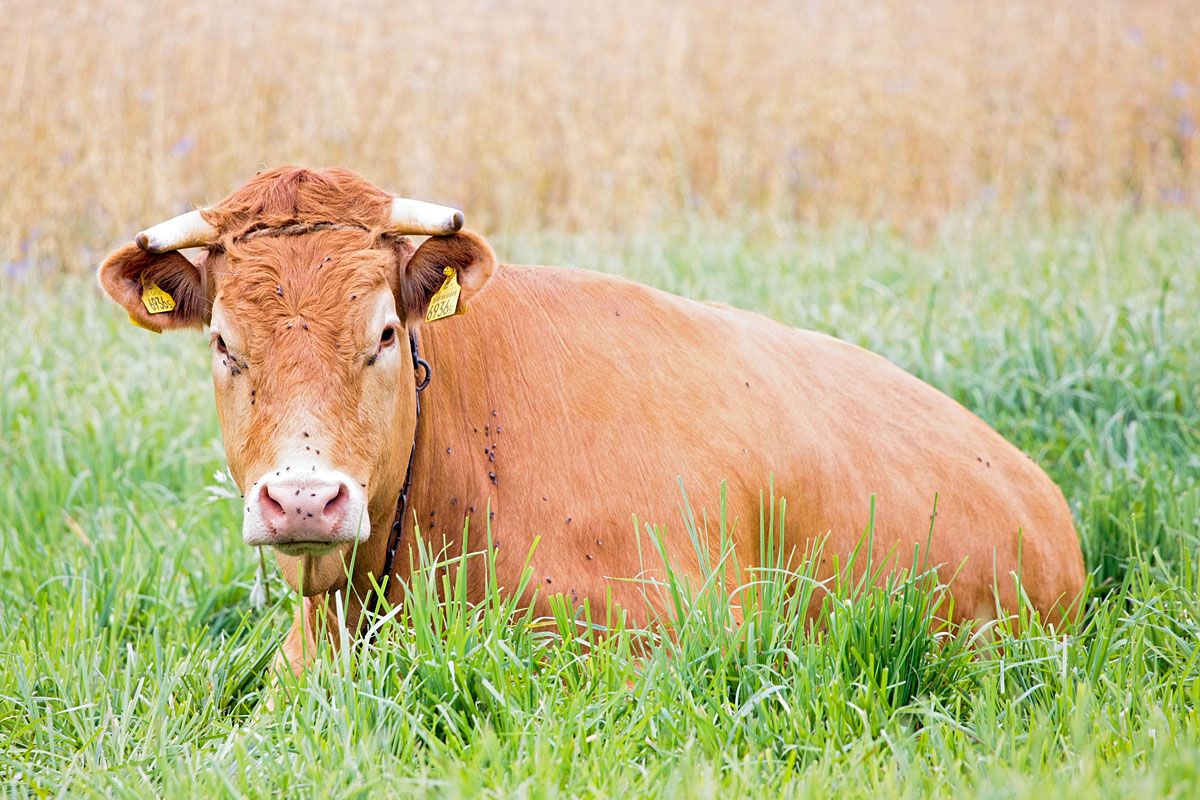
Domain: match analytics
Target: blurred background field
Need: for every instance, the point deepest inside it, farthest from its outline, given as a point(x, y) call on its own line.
point(539, 114)
point(1000, 197)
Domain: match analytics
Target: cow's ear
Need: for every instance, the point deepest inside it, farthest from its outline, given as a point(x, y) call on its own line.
point(159, 291)
point(465, 252)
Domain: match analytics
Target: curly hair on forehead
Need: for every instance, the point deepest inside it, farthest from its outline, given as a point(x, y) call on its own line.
point(314, 275)
point(285, 195)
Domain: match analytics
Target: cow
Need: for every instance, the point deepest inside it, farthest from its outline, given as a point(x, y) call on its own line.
point(370, 390)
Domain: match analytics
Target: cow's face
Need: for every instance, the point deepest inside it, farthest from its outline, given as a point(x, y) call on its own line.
point(314, 380)
point(315, 391)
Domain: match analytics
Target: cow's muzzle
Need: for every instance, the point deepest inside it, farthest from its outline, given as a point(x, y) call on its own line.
point(305, 512)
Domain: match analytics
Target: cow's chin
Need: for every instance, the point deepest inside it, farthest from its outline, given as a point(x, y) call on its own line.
point(313, 569)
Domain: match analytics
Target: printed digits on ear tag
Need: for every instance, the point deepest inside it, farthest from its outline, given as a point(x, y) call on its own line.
point(155, 299)
point(444, 302)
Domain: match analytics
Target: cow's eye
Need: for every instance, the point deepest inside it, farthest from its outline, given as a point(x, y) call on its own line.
point(219, 343)
point(388, 337)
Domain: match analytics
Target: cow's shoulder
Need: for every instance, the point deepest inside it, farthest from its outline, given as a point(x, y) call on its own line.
point(523, 288)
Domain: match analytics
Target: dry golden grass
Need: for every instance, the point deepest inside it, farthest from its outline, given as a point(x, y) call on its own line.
point(595, 115)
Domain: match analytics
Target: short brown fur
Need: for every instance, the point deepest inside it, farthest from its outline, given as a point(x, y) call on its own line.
point(281, 195)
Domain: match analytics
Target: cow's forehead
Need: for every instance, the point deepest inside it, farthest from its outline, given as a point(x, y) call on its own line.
point(318, 279)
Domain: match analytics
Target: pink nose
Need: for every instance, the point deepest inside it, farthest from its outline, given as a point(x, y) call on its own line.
point(298, 510)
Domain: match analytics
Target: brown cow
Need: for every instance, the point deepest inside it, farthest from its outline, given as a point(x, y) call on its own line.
point(563, 402)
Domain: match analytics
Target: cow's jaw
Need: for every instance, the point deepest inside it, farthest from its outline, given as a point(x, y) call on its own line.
point(311, 574)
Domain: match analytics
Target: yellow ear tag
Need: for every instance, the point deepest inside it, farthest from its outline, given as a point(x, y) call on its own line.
point(155, 299)
point(444, 302)
point(142, 326)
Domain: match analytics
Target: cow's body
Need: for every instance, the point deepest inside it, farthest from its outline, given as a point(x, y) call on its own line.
point(589, 396)
point(563, 404)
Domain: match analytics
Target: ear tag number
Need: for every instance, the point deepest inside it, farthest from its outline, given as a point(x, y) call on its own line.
point(444, 302)
point(155, 299)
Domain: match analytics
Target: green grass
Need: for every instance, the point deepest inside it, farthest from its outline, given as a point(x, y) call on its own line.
point(132, 663)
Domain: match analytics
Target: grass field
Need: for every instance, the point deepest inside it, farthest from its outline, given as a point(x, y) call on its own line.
point(1000, 197)
point(132, 663)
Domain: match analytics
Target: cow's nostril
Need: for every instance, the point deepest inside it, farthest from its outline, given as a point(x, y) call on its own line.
point(336, 507)
point(271, 509)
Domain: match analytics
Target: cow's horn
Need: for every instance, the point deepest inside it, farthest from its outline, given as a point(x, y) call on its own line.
point(426, 219)
point(186, 230)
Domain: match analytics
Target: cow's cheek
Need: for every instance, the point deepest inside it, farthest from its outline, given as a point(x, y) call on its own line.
point(233, 425)
point(382, 409)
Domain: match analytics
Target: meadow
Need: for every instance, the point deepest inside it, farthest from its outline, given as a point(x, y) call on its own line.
point(1000, 199)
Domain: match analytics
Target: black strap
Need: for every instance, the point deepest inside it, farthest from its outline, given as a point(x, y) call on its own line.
point(402, 502)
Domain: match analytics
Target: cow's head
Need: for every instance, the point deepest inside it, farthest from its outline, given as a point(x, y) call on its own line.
point(310, 288)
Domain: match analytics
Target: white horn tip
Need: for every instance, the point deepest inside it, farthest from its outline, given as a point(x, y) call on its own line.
point(186, 230)
point(151, 243)
point(426, 219)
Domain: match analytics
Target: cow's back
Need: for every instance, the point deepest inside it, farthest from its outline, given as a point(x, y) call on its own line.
point(566, 402)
